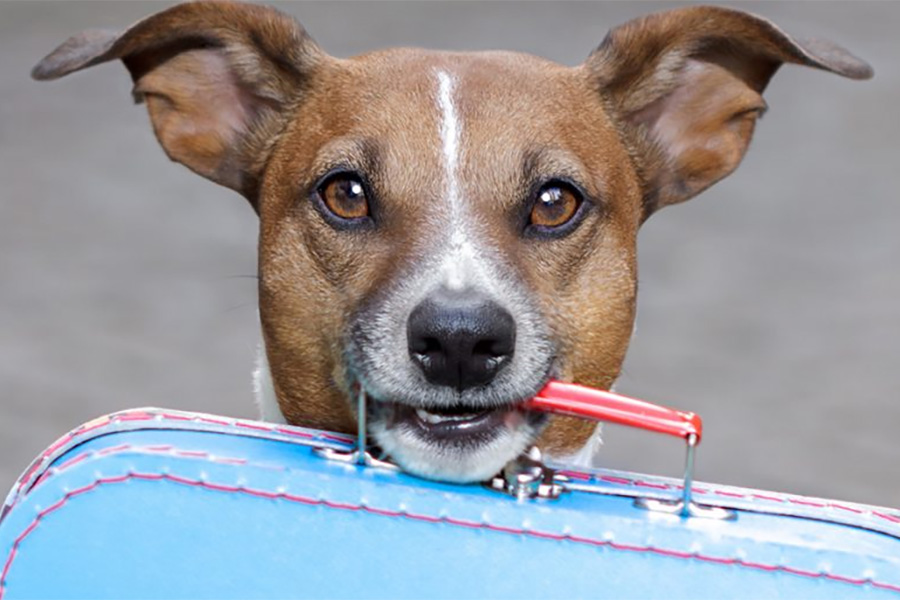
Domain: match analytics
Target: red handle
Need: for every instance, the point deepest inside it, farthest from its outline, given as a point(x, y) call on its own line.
point(580, 401)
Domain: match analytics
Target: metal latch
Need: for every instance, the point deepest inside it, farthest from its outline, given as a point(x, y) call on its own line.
point(685, 506)
point(359, 455)
point(527, 477)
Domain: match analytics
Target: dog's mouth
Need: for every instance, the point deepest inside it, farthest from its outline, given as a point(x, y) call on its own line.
point(458, 425)
point(460, 443)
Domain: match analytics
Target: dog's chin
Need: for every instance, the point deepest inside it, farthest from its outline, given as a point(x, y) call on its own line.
point(459, 445)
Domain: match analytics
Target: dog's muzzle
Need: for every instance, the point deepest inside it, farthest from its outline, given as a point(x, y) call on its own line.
point(467, 421)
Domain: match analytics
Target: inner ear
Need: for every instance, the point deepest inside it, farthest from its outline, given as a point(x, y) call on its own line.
point(697, 134)
point(686, 87)
point(217, 78)
point(200, 114)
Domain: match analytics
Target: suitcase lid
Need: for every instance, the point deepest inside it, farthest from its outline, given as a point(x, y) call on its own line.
point(595, 481)
point(597, 511)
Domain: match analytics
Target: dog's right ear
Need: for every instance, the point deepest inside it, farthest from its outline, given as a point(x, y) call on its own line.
point(216, 77)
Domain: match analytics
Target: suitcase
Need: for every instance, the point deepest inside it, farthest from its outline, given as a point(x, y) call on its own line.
point(153, 503)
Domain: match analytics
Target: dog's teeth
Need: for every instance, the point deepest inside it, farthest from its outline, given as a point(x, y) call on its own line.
point(428, 417)
point(433, 419)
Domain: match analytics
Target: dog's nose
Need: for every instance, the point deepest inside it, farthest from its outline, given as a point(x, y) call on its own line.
point(460, 339)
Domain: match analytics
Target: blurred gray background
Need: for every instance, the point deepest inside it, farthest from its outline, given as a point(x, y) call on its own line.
point(769, 305)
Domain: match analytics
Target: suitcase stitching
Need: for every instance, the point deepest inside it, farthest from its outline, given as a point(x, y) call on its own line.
point(706, 489)
point(140, 415)
point(299, 499)
point(168, 449)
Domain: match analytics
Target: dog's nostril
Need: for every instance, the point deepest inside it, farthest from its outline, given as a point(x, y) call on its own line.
point(426, 352)
point(460, 340)
point(491, 349)
point(425, 345)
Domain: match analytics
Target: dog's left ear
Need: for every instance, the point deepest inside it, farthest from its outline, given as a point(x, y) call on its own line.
point(686, 87)
point(216, 76)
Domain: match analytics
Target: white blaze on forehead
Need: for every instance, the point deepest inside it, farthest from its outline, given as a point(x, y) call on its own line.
point(449, 139)
point(461, 260)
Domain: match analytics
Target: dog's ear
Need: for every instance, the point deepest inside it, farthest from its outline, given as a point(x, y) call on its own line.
point(216, 77)
point(686, 84)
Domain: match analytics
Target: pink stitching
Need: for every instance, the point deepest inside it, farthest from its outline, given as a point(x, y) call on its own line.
point(112, 449)
point(214, 421)
point(612, 479)
point(768, 497)
point(728, 493)
point(72, 461)
point(806, 503)
point(163, 449)
point(160, 447)
point(59, 443)
point(419, 517)
point(849, 508)
point(647, 484)
point(576, 474)
point(302, 434)
point(146, 416)
point(136, 415)
point(252, 426)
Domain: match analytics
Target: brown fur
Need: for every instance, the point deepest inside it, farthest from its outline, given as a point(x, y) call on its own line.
point(665, 107)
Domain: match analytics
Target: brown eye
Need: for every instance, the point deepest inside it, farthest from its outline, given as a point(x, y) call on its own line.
point(554, 206)
point(345, 196)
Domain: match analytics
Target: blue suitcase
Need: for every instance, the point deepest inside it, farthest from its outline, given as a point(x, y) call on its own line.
point(164, 504)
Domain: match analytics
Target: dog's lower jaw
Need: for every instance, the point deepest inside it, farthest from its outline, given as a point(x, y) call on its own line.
point(451, 463)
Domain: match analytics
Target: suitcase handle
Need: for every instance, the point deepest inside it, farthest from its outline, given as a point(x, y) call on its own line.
point(598, 405)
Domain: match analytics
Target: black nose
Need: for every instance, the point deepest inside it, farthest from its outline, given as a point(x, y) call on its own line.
point(460, 339)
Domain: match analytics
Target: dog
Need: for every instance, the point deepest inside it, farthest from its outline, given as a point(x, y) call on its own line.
point(446, 232)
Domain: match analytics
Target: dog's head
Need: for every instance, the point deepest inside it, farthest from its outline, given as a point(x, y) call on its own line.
point(447, 231)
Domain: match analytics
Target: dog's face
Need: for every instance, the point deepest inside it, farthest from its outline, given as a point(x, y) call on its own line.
point(449, 240)
point(444, 231)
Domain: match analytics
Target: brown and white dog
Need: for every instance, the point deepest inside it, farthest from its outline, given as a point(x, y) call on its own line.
point(447, 230)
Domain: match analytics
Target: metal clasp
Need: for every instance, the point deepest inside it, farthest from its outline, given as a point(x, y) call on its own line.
point(685, 506)
point(527, 477)
point(359, 455)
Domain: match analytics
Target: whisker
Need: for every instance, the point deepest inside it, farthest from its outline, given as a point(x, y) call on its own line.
point(240, 306)
point(240, 277)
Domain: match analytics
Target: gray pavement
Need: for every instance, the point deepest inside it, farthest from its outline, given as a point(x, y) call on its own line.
point(769, 305)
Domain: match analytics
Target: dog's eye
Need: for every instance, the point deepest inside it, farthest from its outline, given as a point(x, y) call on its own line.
point(345, 196)
point(555, 205)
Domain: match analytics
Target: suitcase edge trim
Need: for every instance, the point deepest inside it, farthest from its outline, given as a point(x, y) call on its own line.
point(165, 476)
point(598, 481)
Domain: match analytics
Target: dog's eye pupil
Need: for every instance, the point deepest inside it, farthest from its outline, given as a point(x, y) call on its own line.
point(554, 206)
point(345, 196)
